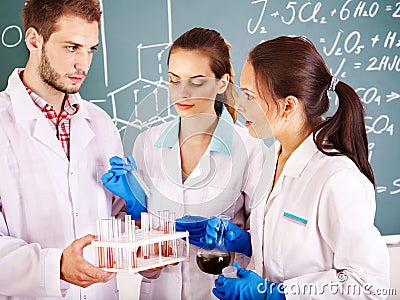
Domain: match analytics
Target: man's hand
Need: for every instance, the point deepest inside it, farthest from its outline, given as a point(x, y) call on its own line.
point(76, 270)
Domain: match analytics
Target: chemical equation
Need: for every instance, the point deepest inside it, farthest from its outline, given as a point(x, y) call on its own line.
point(351, 44)
point(310, 12)
point(372, 96)
point(392, 190)
point(343, 44)
point(379, 125)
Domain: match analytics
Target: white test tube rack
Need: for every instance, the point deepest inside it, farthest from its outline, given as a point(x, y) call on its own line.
point(122, 256)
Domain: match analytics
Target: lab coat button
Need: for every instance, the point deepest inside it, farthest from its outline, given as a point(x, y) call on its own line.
point(177, 279)
point(71, 172)
point(76, 214)
point(84, 297)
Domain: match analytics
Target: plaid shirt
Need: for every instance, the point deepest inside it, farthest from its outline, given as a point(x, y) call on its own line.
point(61, 123)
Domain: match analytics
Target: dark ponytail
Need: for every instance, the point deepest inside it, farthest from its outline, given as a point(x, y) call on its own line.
point(345, 131)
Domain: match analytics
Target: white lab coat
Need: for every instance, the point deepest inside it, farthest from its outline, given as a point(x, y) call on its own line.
point(230, 169)
point(46, 201)
point(316, 222)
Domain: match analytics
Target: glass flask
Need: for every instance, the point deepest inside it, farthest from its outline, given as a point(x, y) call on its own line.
point(212, 258)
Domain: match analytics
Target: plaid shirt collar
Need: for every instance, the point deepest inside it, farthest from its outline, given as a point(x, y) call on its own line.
point(71, 104)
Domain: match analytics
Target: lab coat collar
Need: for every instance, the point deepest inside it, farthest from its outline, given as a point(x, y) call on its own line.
point(296, 163)
point(169, 137)
point(81, 133)
point(300, 157)
point(22, 104)
point(221, 140)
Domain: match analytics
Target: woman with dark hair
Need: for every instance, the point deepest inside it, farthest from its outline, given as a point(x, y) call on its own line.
point(200, 164)
point(314, 233)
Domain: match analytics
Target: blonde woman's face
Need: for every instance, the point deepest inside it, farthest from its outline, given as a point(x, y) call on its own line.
point(193, 86)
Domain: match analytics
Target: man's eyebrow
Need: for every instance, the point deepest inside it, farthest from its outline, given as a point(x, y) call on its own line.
point(73, 43)
point(80, 45)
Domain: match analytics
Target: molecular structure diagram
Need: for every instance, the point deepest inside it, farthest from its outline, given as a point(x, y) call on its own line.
point(150, 97)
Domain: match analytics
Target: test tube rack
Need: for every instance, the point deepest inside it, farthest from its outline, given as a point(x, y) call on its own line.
point(122, 256)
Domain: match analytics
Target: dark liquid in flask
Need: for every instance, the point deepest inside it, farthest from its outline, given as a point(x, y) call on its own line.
point(213, 263)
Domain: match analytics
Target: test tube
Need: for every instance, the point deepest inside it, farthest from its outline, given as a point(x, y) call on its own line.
point(100, 252)
point(172, 230)
point(108, 229)
point(164, 227)
point(127, 238)
point(132, 238)
point(117, 238)
point(144, 218)
point(128, 227)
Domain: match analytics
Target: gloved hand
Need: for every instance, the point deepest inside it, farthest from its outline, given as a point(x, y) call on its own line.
point(249, 285)
point(196, 226)
point(236, 239)
point(121, 182)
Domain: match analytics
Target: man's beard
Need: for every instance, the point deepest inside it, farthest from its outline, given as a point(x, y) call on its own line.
point(52, 78)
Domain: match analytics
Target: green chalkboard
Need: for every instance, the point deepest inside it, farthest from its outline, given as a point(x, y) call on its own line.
point(360, 41)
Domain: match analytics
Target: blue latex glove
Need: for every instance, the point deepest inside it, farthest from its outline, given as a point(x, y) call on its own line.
point(249, 285)
point(121, 182)
point(196, 226)
point(236, 239)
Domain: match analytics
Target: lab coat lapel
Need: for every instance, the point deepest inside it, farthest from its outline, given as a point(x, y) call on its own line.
point(278, 186)
point(45, 135)
point(203, 169)
point(31, 119)
point(171, 164)
point(81, 133)
point(296, 163)
point(168, 192)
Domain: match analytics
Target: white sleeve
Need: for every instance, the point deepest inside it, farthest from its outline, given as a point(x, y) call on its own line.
point(360, 267)
point(39, 276)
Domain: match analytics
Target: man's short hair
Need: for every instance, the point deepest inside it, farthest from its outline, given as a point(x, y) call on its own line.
point(43, 15)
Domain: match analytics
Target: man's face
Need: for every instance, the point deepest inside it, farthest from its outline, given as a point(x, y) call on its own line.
point(67, 55)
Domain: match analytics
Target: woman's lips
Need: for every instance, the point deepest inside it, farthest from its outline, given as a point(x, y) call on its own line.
point(184, 106)
point(248, 123)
